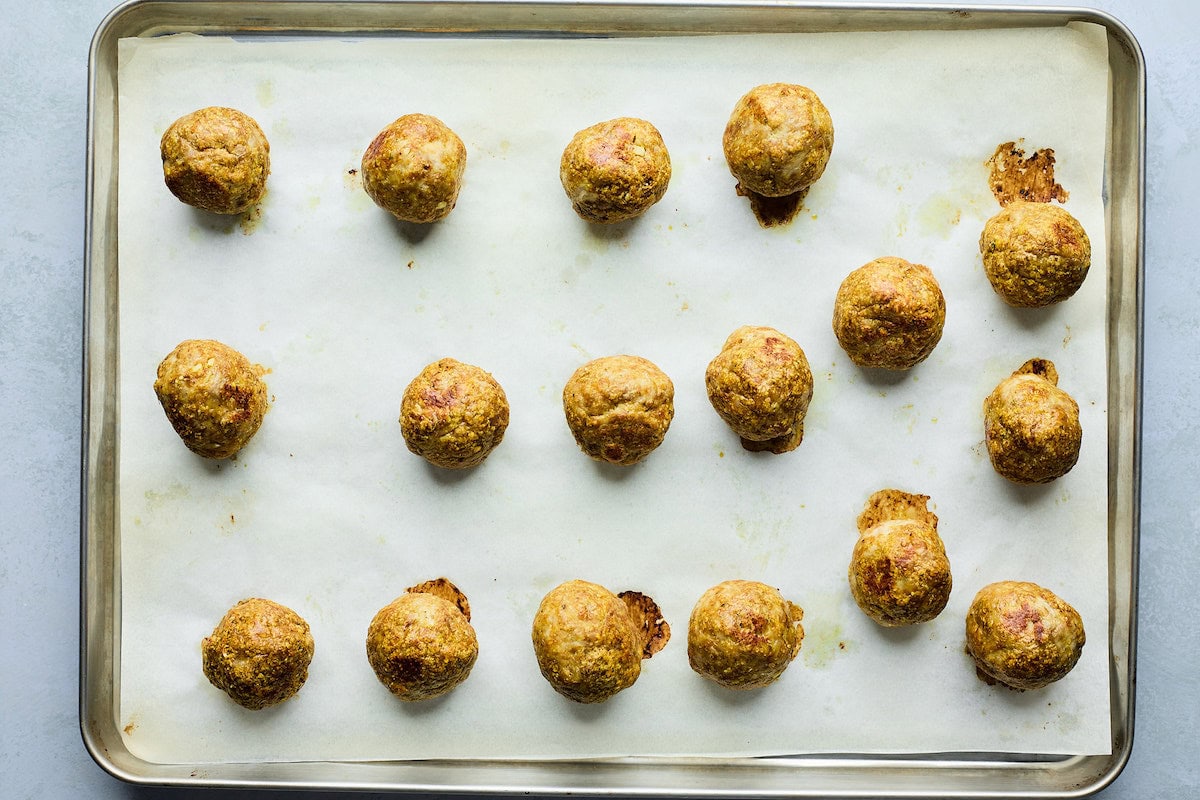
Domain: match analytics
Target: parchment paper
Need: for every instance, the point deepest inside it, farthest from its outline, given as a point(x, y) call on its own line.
point(327, 512)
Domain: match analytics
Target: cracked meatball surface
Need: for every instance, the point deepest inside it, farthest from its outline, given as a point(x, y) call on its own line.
point(1023, 635)
point(778, 139)
point(1035, 254)
point(258, 654)
point(615, 170)
point(1031, 427)
point(889, 313)
point(453, 414)
point(619, 408)
point(216, 159)
point(212, 395)
point(414, 168)
point(743, 634)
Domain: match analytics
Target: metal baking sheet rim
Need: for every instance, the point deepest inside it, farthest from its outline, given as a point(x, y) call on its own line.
point(849, 775)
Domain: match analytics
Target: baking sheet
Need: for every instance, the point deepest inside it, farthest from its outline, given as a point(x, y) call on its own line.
point(326, 511)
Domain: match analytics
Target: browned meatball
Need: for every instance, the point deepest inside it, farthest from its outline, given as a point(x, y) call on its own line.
point(615, 170)
point(619, 408)
point(212, 395)
point(216, 159)
point(889, 313)
point(414, 168)
point(899, 573)
point(258, 654)
point(421, 645)
point(1035, 254)
point(453, 414)
point(743, 634)
point(778, 139)
point(1023, 635)
point(590, 642)
point(1031, 426)
point(760, 384)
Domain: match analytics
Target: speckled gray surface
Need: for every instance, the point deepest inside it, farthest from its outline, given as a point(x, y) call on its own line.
point(43, 64)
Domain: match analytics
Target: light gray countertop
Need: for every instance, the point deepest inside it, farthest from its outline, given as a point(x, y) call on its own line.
point(43, 66)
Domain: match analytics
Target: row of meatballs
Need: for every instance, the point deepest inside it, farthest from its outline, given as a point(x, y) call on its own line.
point(618, 408)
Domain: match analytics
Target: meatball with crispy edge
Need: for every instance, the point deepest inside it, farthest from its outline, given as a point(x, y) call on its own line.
point(453, 414)
point(414, 168)
point(258, 654)
point(899, 573)
point(1023, 635)
point(590, 643)
point(615, 170)
point(743, 634)
point(1031, 427)
point(421, 645)
point(760, 384)
point(889, 313)
point(619, 408)
point(212, 395)
point(216, 159)
point(778, 139)
point(1035, 254)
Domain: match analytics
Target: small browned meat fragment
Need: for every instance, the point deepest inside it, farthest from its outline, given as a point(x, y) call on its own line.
point(1014, 177)
point(760, 384)
point(216, 159)
point(1031, 426)
point(1035, 254)
point(453, 414)
point(899, 573)
point(1023, 635)
point(615, 170)
point(258, 654)
point(743, 634)
point(889, 313)
point(619, 408)
point(414, 168)
point(590, 643)
point(212, 395)
point(421, 645)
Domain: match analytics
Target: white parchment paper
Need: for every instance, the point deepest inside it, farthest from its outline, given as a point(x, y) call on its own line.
point(327, 512)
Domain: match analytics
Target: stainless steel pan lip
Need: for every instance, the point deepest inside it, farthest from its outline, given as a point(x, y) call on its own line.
point(849, 775)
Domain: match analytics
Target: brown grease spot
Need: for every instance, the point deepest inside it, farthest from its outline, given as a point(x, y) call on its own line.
point(443, 588)
point(1012, 176)
point(654, 630)
point(772, 212)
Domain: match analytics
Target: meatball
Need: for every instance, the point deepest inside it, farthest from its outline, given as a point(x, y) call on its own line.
point(421, 645)
point(258, 654)
point(743, 634)
point(619, 408)
point(212, 395)
point(778, 139)
point(414, 168)
point(453, 414)
point(216, 159)
point(590, 642)
point(1035, 254)
point(615, 170)
point(899, 573)
point(1031, 426)
point(1023, 635)
point(889, 313)
point(760, 384)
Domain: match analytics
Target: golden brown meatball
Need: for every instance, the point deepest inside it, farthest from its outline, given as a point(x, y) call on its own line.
point(899, 573)
point(619, 408)
point(414, 168)
point(760, 384)
point(212, 395)
point(421, 645)
point(743, 634)
point(1023, 635)
point(778, 139)
point(889, 313)
point(1035, 254)
point(216, 159)
point(453, 414)
point(1031, 426)
point(258, 654)
point(615, 170)
point(590, 642)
